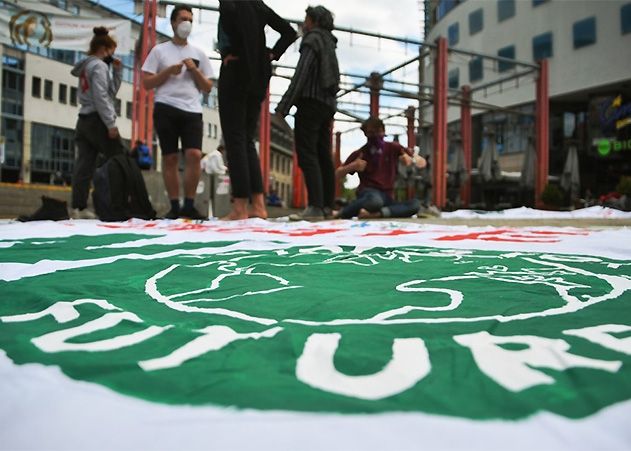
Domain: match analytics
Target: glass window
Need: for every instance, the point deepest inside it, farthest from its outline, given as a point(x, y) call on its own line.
point(538, 2)
point(476, 69)
point(36, 87)
point(48, 89)
point(454, 78)
point(128, 112)
point(453, 34)
point(584, 32)
point(542, 46)
point(506, 52)
point(505, 9)
point(73, 96)
point(625, 18)
point(117, 106)
point(75, 9)
point(476, 21)
point(63, 93)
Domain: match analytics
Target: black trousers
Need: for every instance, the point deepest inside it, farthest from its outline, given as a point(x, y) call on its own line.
point(239, 112)
point(313, 147)
point(91, 139)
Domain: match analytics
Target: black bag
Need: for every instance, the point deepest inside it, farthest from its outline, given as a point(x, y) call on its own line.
point(120, 192)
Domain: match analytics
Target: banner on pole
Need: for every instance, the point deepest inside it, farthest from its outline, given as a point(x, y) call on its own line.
point(65, 32)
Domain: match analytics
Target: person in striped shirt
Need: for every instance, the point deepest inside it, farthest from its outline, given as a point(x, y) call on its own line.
point(313, 90)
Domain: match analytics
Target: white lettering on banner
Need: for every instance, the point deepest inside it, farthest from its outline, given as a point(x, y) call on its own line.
point(214, 339)
point(62, 311)
point(409, 364)
point(602, 335)
point(513, 369)
point(57, 341)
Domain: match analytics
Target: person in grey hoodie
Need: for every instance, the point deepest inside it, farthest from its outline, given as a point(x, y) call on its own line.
point(96, 132)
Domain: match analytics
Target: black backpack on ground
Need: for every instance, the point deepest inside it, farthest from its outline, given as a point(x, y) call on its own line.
point(120, 192)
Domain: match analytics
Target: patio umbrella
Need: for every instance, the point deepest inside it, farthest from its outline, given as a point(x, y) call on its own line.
point(456, 164)
point(571, 179)
point(528, 166)
point(488, 165)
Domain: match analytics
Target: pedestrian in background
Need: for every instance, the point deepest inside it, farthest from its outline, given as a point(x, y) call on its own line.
point(313, 90)
point(179, 72)
point(377, 163)
point(96, 132)
point(243, 81)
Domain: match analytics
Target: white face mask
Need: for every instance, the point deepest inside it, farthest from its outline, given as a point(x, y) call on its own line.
point(183, 30)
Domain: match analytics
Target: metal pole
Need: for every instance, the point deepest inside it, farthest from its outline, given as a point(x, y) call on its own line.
point(376, 83)
point(142, 108)
point(338, 162)
point(409, 115)
point(440, 125)
point(264, 141)
point(542, 131)
point(465, 132)
point(298, 195)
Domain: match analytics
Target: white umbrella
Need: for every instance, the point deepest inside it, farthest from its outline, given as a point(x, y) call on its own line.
point(456, 164)
point(528, 166)
point(571, 179)
point(488, 165)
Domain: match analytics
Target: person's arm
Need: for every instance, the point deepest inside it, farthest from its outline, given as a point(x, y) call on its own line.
point(117, 72)
point(287, 33)
point(151, 81)
point(203, 83)
point(303, 68)
point(151, 76)
point(354, 163)
point(99, 81)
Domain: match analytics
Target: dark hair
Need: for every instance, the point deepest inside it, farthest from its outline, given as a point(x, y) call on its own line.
point(177, 10)
point(322, 17)
point(373, 121)
point(100, 39)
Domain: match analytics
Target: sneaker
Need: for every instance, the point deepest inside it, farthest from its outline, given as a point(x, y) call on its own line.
point(329, 213)
point(83, 214)
point(310, 213)
point(51, 210)
point(172, 214)
point(192, 213)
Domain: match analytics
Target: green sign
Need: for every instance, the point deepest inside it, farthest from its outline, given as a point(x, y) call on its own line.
point(467, 333)
point(606, 146)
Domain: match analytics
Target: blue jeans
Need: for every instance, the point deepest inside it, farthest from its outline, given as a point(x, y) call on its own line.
point(374, 200)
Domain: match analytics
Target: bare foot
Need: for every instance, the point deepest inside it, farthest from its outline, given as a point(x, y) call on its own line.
point(234, 216)
point(239, 210)
point(252, 213)
point(365, 214)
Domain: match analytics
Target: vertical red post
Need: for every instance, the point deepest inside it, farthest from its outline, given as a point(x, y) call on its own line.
point(142, 100)
point(375, 83)
point(542, 121)
point(265, 129)
point(338, 162)
point(439, 162)
point(465, 133)
point(299, 199)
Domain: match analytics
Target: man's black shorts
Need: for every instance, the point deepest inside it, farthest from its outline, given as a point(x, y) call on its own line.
point(173, 125)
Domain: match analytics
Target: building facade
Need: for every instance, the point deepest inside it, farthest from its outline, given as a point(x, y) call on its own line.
point(587, 46)
point(39, 102)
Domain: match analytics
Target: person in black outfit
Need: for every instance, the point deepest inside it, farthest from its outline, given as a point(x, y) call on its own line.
point(243, 81)
point(313, 90)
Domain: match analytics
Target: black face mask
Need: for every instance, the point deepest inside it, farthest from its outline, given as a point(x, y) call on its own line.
point(109, 59)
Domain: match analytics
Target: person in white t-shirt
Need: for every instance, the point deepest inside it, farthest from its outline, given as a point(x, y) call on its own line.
point(179, 73)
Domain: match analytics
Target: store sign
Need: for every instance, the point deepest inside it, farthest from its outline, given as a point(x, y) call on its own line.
point(614, 115)
point(606, 146)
